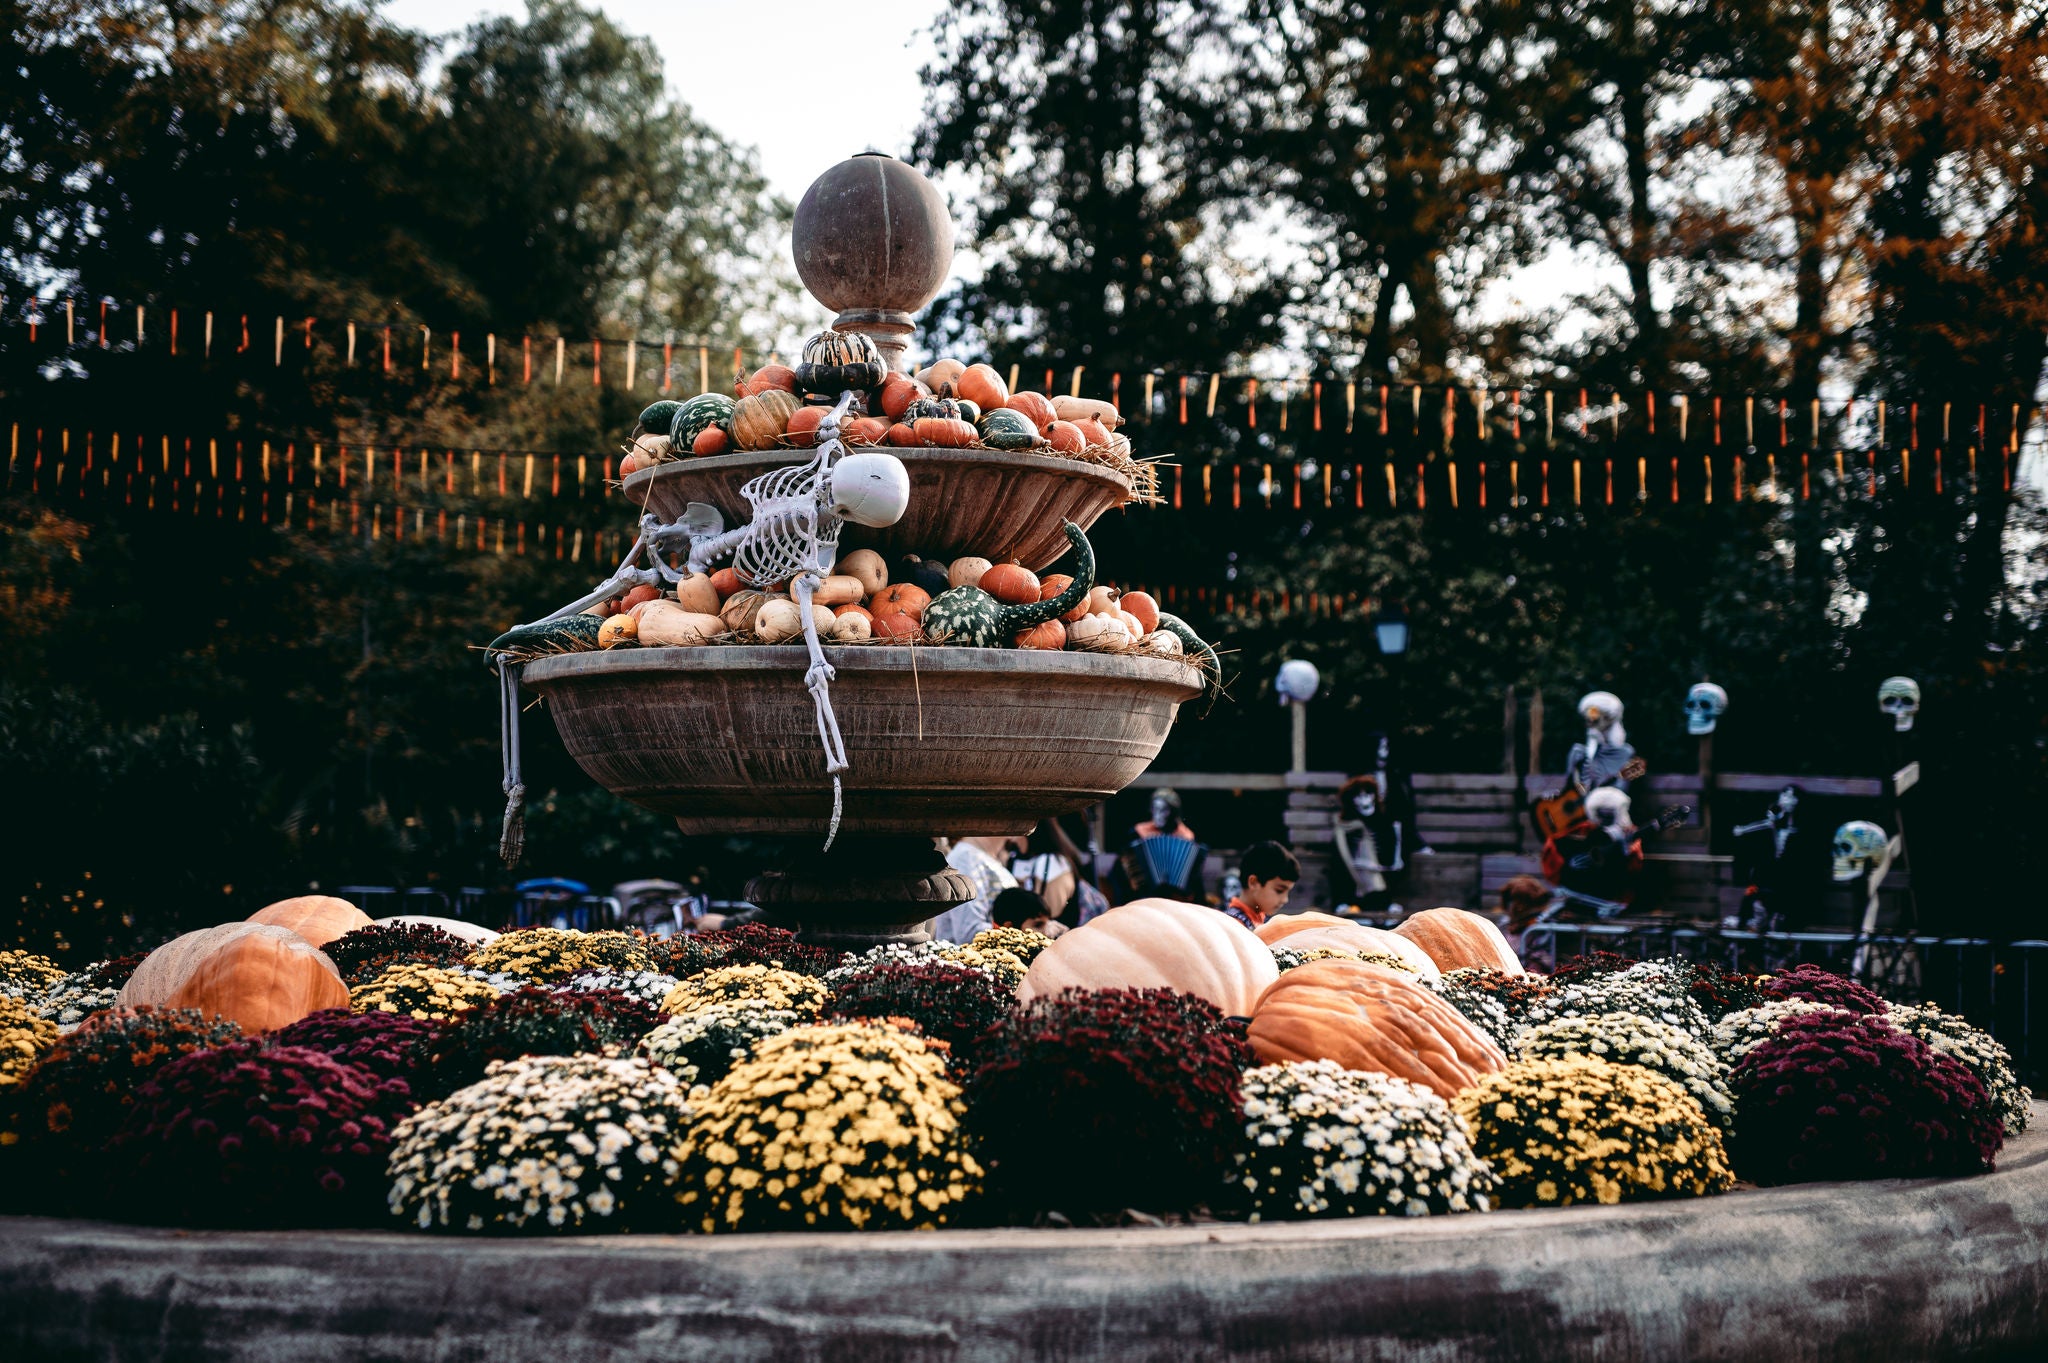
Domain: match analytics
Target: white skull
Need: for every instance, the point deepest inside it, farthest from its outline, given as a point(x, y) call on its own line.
point(1298, 681)
point(870, 488)
point(1599, 709)
point(1899, 697)
point(1608, 807)
point(1703, 707)
point(1860, 846)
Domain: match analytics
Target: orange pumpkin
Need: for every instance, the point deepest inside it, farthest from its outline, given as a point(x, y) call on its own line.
point(1143, 606)
point(725, 582)
point(945, 432)
point(802, 431)
point(1050, 635)
point(165, 968)
point(864, 430)
point(634, 462)
point(1065, 436)
point(1455, 939)
point(896, 625)
point(759, 421)
point(1051, 585)
point(898, 392)
point(902, 436)
point(1157, 944)
point(941, 373)
point(711, 440)
point(1035, 407)
point(862, 611)
point(770, 376)
point(266, 978)
point(1369, 942)
point(1012, 584)
point(904, 597)
point(982, 386)
point(1366, 1017)
point(646, 591)
point(318, 918)
point(1092, 431)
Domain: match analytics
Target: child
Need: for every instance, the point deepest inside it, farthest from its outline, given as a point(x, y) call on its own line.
point(1269, 872)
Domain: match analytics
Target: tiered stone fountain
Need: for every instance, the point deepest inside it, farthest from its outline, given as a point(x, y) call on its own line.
point(941, 741)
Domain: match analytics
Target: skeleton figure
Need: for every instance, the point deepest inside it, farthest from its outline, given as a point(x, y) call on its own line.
point(1899, 697)
point(1779, 863)
point(1375, 827)
point(1704, 705)
point(1860, 847)
point(1598, 760)
point(1609, 809)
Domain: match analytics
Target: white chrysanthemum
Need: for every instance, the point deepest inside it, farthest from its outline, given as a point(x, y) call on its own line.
point(649, 986)
point(701, 1047)
point(1321, 1140)
point(1627, 1039)
point(1739, 1033)
point(1005, 965)
point(71, 1000)
point(1977, 1051)
point(1650, 989)
point(534, 1145)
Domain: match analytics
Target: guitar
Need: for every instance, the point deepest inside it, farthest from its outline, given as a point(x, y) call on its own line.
point(1555, 813)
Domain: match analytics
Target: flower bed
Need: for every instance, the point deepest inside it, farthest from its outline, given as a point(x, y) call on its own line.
point(908, 1087)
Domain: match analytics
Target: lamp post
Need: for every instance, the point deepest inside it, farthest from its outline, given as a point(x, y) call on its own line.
point(1390, 629)
point(1297, 685)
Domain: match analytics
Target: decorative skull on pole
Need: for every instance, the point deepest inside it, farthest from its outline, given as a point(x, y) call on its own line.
point(1899, 697)
point(1705, 703)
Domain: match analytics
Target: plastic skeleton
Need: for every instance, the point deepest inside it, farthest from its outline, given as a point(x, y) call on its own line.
point(793, 536)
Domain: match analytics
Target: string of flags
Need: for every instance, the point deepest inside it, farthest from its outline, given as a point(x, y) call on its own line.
point(39, 457)
point(1305, 406)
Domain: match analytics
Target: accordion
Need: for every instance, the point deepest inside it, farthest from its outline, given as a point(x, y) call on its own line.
point(1172, 865)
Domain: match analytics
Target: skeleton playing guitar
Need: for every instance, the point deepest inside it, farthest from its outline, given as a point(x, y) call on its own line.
point(1552, 814)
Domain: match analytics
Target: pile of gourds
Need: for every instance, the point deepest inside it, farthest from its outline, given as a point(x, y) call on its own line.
point(969, 602)
point(949, 405)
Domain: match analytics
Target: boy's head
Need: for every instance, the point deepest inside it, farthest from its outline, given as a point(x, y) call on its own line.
point(1013, 908)
point(1269, 872)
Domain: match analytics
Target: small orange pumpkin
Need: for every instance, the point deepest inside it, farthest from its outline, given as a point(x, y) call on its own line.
point(1092, 431)
point(634, 462)
point(864, 430)
point(896, 625)
point(1143, 606)
point(725, 582)
point(1456, 938)
point(1035, 407)
point(1052, 585)
point(1050, 635)
point(904, 598)
point(1155, 944)
point(646, 591)
point(802, 431)
point(1367, 1017)
point(770, 376)
point(1012, 584)
point(1065, 437)
point(318, 918)
point(899, 390)
point(948, 433)
point(982, 386)
point(711, 440)
point(862, 611)
point(902, 436)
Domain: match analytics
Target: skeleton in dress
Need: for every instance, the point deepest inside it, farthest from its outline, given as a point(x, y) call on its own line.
point(1375, 828)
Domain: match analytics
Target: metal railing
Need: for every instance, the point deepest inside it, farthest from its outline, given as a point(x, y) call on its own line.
point(1989, 983)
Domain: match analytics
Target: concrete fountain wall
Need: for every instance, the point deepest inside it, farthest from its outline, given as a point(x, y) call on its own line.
point(1870, 1271)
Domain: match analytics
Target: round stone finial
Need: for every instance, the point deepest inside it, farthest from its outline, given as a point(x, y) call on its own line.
point(873, 241)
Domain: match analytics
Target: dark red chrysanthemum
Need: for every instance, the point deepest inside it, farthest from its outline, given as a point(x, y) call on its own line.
point(534, 1021)
point(1842, 1095)
point(388, 1045)
point(948, 1002)
point(366, 953)
point(746, 944)
point(1816, 985)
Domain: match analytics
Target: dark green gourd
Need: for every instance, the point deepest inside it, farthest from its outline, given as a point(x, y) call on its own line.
point(570, 634)
point(1194, 646)
point(971, 617)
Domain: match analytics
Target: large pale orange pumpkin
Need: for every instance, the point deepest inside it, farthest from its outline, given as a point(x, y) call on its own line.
point(1277, 929)
point(1346, 934)
point(319, 918)
point(1157, 944)
point(265, 978)
point(164, 969)
point(1456, 938)
point(1367, 1017)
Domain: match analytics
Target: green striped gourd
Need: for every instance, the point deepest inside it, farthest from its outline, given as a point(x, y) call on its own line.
point(1194, 646)
point(1004, 429)
point(660, 417)
point(706, 409)
point(971, 617)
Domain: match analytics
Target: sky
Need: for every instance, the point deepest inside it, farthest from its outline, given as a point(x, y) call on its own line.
point(746, 81)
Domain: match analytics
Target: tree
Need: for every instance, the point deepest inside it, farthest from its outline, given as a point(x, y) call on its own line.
point(1100, 241)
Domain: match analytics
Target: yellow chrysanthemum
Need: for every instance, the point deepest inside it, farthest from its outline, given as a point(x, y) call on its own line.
point(428, 992)
point(784, 989)
point(23, 1039)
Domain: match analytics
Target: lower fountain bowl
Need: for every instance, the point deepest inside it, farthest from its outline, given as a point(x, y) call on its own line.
point(953, 741)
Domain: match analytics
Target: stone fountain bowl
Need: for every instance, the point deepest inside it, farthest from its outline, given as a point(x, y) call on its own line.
point(997, 504)
point(952, 741)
